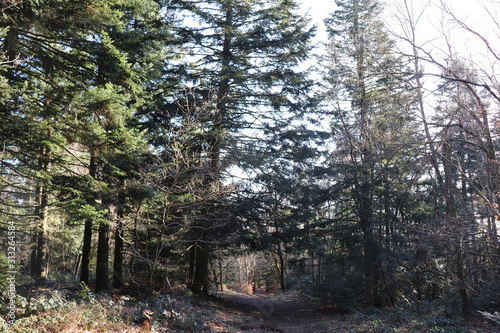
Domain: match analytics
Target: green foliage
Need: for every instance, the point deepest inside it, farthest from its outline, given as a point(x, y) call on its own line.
point(57, 312)
point(46, 302)
point(135, 115)
point(180, 313)
point(84, 293)
point(91, 212)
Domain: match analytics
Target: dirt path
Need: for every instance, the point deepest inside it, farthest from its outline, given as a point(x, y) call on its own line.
point(292, 313)
point(279, 313)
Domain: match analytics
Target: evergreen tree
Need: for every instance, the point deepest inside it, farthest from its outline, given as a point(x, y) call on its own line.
point(245, 57)
point(75, 87)
point(374, 122)
point(44, 71)
point(278, 208)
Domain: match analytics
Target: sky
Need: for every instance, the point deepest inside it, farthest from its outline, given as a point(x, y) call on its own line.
point(481, 15)
point(319, 10)
point(436, 31)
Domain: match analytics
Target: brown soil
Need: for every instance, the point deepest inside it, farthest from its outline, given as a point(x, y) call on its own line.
point(293, 313)
point(277, 312)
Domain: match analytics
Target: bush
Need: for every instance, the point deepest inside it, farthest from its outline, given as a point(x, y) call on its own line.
point(343, 290)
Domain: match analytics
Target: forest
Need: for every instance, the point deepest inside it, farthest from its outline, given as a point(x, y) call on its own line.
point(212, 145)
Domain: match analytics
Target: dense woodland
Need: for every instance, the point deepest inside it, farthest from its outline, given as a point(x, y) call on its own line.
point(217, 143)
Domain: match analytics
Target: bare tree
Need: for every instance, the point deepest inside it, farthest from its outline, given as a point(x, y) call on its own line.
point(459, 135)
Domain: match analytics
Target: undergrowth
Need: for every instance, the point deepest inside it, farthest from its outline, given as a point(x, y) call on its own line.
point(82, 311)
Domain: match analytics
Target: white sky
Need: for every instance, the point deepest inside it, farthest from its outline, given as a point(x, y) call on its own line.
point(437, 30)
point(482, 16)
point(467, 10)
point(319, 10)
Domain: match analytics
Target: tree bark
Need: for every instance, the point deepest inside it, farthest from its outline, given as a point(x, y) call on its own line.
point(102, 266)
point(39, 265)
point(118, 252)
point(201, 270)
point(86, 249)
point(87, 232)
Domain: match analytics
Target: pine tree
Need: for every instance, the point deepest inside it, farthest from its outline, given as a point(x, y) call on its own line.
point(75, 87)
point(245, 57)
point(374, 122)
point(43, 72)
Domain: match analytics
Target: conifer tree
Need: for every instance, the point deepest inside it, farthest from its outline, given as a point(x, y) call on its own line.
point(245, 57)
point(373, 121)
point(75, 85)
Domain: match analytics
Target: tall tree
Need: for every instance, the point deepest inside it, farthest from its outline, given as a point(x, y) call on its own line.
point(461, 139)
point(77, 83)
point(245, 57)
point(373, 118)
point(43, 73)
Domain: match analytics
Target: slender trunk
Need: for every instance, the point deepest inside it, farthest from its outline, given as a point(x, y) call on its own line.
point(102, 282)
point(202, 256)
point(192, 259)
point(87, 232)
point(42, 248)
point(280, 264)
point(86, 249)
point(76, 268)
point(39, 265)
point(221, 271)
point(118, 254)
point(462, 283)
point(102, 265)
point(282, 272)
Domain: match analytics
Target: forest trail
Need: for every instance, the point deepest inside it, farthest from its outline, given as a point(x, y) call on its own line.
point(287, 312)
point(290, 312)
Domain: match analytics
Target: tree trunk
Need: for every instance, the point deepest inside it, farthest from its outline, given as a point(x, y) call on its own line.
point(86, 249)
point(282, 272)
point(201, 271)
point(451, 211)
point(39, 266)
point(118, 252)
point(102, 267)
point(87, 232)
point(462, 284)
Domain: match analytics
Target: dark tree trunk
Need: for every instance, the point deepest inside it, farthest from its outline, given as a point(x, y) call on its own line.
point(118, 256)
point(201, 271)
point(87, 246)
point(102, 267)
point(282, 271)
point(87, 232)
point(118, 250)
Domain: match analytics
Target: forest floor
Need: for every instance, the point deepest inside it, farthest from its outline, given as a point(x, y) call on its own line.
point(292, 313)
point(72, 311)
